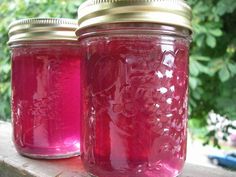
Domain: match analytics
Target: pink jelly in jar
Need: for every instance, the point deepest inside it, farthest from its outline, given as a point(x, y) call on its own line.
point(136, 88)
point(46, 70)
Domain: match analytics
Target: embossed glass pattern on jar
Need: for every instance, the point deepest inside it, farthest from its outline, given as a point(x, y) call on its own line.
point(135, 113)
point(46, 71)
point(136, 86)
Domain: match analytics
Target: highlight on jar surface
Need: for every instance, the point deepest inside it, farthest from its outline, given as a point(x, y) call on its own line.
point(46, 71)
point(136, 88)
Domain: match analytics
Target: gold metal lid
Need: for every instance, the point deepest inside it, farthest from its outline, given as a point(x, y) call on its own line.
point(40, 29)
point(167, 12)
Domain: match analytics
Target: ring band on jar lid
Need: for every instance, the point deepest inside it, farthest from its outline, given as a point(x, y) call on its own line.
point(166, 12)
point(41, 29)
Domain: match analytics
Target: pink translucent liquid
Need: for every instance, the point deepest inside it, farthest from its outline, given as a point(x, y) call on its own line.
point(136, 106)
point(46, 100)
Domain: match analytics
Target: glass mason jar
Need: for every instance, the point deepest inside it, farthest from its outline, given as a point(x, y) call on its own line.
point(46, 66)
point(136, 89)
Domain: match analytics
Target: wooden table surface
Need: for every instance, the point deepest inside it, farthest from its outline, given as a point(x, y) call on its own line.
point(14, 165)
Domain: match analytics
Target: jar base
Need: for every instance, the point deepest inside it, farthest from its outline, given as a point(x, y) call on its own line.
point(50, 157)
point(96, 172)
point(92, 175)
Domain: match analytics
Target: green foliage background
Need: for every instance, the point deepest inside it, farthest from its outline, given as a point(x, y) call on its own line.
point(212, 60)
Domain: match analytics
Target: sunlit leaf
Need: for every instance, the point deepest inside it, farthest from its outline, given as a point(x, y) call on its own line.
point(216, 32)
point(211, 41)
point(224, 74)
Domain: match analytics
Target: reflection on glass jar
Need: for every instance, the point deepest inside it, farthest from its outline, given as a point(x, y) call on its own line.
point(136, 93)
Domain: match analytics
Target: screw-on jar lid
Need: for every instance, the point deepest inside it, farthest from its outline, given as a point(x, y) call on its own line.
point(40, 29)
point(167, 12)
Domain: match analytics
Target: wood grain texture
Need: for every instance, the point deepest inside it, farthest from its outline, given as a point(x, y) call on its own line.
point(14, 165)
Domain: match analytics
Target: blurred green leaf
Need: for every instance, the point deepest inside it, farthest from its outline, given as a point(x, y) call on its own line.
point(193, 68)
point(211, 41)
point(193, 82)
point(216, 32)
point(224, 74)
point(232, 68)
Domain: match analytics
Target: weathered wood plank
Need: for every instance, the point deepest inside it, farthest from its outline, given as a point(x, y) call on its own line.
point(200, 171)
point(14, 165)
